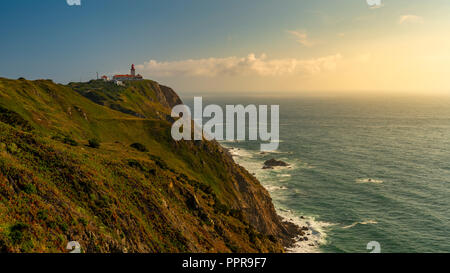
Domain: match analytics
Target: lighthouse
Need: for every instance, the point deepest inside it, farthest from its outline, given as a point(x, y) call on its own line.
point(133, 71)
point(129, 77)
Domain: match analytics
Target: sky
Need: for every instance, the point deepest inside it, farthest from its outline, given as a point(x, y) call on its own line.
point(218, 46)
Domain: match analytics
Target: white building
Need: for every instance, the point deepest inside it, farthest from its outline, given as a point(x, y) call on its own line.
point(128, 77)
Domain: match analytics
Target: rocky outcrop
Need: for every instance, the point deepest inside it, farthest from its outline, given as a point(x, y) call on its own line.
point(170, 96)
point(255, 202)
point(259, 210)
point(270, 164)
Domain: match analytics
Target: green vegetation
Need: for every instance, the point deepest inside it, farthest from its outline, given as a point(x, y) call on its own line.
point(94, 143)
point(124, 197)
point(70, 141)
point(143, 99)
point(14, 119)
point(140, 147)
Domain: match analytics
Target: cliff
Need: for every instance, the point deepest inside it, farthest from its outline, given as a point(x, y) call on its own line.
point(140, 191)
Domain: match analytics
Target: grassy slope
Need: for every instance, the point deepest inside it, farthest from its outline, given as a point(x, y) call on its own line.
point(141, 98)
point(177, 197)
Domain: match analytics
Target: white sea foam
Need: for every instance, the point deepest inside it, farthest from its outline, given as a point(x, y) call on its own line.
point(278, 169)
point(275, 188)
point(368, 222)
point(278, 152)
point(279, 141)
point(284, 175)
point(316, 232)
point(238, 152)
point(369, 180)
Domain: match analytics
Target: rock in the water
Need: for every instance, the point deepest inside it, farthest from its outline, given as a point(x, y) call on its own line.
point(269, 164)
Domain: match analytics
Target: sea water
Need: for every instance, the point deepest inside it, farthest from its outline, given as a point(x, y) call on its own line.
point(361, 169)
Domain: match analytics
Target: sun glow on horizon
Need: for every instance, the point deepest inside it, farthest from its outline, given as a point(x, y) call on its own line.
point(411, 57)
point(300, 46)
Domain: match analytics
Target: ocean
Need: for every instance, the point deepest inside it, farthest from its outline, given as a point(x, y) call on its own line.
point(361, 170)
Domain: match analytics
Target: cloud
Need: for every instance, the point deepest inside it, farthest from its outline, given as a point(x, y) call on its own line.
point(302, 37)
point(375, 4)
point(239, 66)
point(410, 19)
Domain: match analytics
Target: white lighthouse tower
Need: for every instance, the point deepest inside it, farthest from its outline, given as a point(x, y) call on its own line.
point(133, 71)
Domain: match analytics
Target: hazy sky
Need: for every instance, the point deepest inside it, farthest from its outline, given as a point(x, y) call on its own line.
point(233, 45)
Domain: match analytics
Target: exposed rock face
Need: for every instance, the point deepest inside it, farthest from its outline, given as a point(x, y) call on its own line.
point(270, 164)
point(255, 201)
point(170, 96)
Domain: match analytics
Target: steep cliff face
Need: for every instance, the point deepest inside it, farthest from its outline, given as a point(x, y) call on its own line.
point(170, 96)
point(165, 197)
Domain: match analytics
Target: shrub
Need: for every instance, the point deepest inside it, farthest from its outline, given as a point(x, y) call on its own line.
point(14, 119)
point(64, 227)
point(94, 143)
point(136, 164)
point(159, 162)
point(30, 189)
point(12, 148)
point(83, 221)
point(16, 236)
point(42, 215)
point(58, 138)
point(70, 141)
point(16, 232)
point(51, 224)
point(20, 226)
point(140, 147)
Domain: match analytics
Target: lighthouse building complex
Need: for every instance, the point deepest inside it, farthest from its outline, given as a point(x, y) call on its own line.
point(128, 77)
